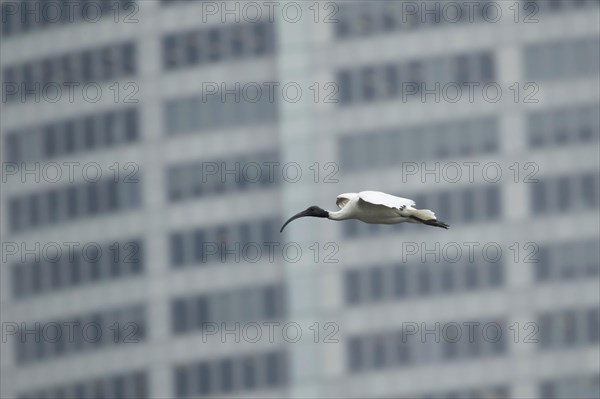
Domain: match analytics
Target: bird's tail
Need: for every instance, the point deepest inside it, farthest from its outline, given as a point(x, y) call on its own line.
point(427, 217)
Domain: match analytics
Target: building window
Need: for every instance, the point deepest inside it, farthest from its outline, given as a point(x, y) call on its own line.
point(366, 84)
point(418, 279)
point(548, 194)
point(206, 46)
point(482, 133)
point(573, 125)
point(180, 316)
point(72, 136)
point(41, 207)
point(195, 312)
point(130, 385)
point(352, 286)
point(545, 61)
point(580, 386)
point(363, 18)
point(214, 244)
point(234, 375)
point(76, 67)
point(370, 353)
point(29, 349)
point(568, 328)
point(191, 179)
point(205, 113)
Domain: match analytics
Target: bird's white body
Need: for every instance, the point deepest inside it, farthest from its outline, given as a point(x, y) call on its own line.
point(375, 207)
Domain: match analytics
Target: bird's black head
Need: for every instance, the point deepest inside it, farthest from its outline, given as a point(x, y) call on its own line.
point(313, 211)
point(317, 212)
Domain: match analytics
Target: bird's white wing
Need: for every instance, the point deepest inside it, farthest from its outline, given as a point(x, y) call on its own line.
point(343, 199)
point(387, 200)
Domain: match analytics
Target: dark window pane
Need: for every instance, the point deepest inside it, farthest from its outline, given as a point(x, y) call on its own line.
point(12, 148)
point(119, 386)
point(72, 202)
point(355, 356)
point(487, 67)
point(204, 385)
point(49, 141)
point(56, 274)
point(15, 214)
point(36, 277)
point(344, 85)
point(424, 280)
point(202, 311)
point(493, 204)
point(538, 197)
point(379, 352)
point(589, 185)
point(564, 193)
point(75, 269)
point(92, 199)
point(192, 48)
point(274, 369)
point(471, 276)
point(89, 138)
point(448, 283)
point(548, 390)
point(496, 274)
point(69, 137)
point(128, 56)
point(226, 375)
point(181, 382)
point(140, 386)
point(110, 128)
point(131, 125)
point(112, 189)
point(593, 322)
point(468, 205)
point(400, 284)
point(249, 373)
point(270, 302)
point(170, 52)
point(177, 249)
point(352, 286)
point(377, 284)
point(34, 210)
point(134, 254)
point(179, 316)
point(542, 267)
point(215, 46)
point(18, 281)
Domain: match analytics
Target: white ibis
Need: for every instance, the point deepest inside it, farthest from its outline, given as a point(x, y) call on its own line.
point(373, 207)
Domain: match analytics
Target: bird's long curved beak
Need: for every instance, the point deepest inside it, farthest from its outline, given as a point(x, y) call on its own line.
point(296, 216)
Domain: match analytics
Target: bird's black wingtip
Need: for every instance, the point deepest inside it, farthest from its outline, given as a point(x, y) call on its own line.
point(437, 223)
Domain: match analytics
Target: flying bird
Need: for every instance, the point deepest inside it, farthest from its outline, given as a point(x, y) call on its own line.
point(373, 207)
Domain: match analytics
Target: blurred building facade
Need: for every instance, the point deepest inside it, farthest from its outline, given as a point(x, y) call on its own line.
point(155, 240)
